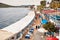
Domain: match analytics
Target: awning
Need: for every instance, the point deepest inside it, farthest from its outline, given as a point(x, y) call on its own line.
point(42, 30)
point(51, 12)
point(48, 11)
point(52, 38)
point(58, 17)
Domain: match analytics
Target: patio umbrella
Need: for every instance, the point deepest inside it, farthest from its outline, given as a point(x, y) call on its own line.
point(44, 21)
point(42, 30)
point(51, 38)
point(55, 38)
point(57, 17)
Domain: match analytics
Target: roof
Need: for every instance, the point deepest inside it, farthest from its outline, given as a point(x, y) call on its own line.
point(49, 11)
point(56, 17)
point(4, 34)
point(42, 30)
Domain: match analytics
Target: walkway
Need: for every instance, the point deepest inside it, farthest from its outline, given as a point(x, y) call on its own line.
point(36, 35)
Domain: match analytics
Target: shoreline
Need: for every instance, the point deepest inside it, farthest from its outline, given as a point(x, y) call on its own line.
point(18, 26)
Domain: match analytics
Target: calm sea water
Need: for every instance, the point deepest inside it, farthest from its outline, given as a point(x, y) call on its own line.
point(9, 16)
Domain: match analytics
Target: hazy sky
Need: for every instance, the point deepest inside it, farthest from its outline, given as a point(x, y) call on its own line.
point(22, 2)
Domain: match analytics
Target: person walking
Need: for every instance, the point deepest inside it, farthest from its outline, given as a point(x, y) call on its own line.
point(36, 27)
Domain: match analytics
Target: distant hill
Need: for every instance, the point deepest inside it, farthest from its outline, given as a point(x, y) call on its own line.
point(4, 5)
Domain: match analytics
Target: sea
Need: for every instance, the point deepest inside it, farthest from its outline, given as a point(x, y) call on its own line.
point(11, 15)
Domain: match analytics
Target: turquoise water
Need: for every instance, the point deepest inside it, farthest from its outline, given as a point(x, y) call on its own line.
point(9, 16)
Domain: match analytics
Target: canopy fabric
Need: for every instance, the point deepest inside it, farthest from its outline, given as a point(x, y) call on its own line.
point(51, 38)
point(50, 11)
point(44, 21)
point(42, 30)
point(58, 17)
point(57, 37)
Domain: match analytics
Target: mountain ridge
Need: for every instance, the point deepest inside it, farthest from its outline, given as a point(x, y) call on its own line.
point(2, 5)
point(5, 5)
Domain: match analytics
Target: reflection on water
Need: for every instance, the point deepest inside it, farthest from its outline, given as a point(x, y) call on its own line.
point(11, 15)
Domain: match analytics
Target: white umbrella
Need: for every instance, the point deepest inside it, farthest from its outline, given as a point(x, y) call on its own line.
point(57, 37)
point(42, 30)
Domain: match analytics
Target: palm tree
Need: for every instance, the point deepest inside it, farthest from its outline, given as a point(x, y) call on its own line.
point(50, 27)
point(54, 4)
point(42, 6)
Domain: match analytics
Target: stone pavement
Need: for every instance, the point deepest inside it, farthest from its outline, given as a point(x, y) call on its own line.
point(36, 35)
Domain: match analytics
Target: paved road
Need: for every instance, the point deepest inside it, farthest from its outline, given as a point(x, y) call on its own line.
point(38, 36)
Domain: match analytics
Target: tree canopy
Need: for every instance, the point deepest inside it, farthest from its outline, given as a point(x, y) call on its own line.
point(50, 27)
